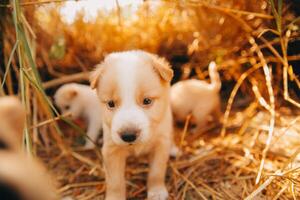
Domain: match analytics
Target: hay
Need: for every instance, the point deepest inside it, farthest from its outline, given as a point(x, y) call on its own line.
point(211, 167)
point(252, 155)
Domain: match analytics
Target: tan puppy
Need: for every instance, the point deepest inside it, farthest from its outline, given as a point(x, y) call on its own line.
point(137, 119)
point(21, 177)
point(12, 119)
point(81, 101)
point(198, 98)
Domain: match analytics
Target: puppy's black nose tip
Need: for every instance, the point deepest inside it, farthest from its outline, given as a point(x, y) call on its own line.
point(129, 137)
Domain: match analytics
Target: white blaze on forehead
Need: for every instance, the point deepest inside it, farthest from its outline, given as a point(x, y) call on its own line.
point(126, 69)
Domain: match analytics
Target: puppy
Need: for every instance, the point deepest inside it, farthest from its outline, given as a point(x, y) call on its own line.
point(81, 101)
point(137, 118)
point(24, 178)
point(12, 119)
point(198, 98)
point(21, 177)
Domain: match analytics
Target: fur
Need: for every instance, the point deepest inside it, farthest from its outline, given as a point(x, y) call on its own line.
point(127, 79)
point(197, 98)
point(81, 101)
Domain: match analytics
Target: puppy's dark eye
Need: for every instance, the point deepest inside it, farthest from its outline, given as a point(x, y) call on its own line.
point(147, 101)
point(67, 107)
point(111, 104)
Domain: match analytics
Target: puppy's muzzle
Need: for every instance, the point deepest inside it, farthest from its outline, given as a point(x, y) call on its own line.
point(130, 135)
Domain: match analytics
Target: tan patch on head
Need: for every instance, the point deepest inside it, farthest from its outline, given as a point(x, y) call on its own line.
point(95, 75)
point(107, 89)
point(149, 85)
point(161, 66)
point(65, 94)
point(71, 94)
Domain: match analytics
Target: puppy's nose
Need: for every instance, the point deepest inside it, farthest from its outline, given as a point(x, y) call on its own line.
point(129, 135)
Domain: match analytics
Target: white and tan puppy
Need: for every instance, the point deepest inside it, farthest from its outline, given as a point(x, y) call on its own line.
point(81, 101)
point(197, 98)
point(134, 97)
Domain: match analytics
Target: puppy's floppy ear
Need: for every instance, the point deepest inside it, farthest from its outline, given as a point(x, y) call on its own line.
point(95, 75)
point(162, 67)
point(72, 93)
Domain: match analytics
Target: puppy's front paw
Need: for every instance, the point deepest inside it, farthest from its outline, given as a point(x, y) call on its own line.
point(158, 193)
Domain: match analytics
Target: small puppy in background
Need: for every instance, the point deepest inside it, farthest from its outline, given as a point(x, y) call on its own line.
point(12, 119)
point(81, 101)
point(197, 98)
point(21, 176)
point(134, 91)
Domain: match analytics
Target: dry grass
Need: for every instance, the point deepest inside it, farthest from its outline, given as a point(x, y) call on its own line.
point(253, 155)
point(211, 167)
